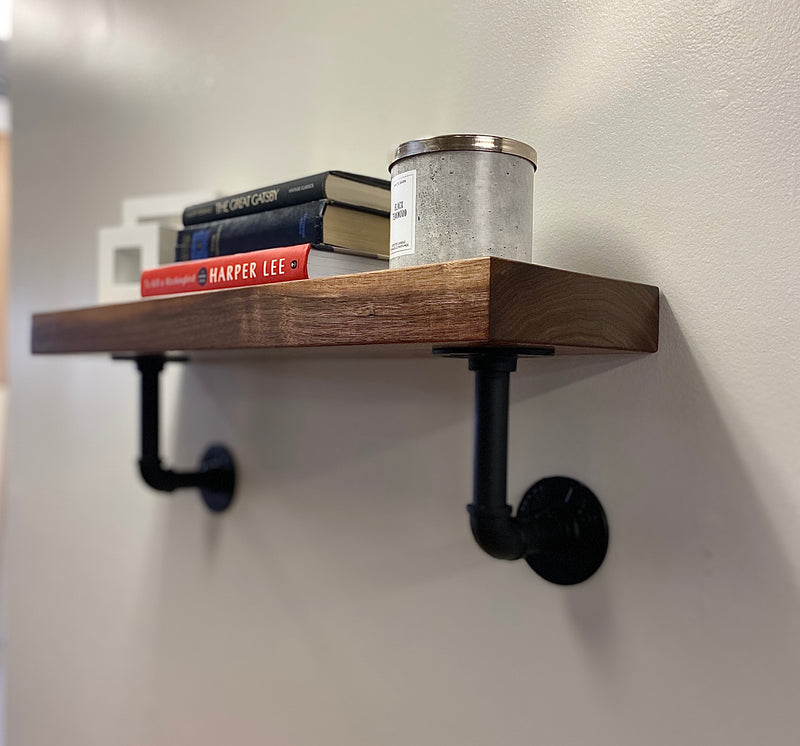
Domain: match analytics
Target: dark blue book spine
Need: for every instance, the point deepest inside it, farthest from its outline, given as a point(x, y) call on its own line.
point(287, 226)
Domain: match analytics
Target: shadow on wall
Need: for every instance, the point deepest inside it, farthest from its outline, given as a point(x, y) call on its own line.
point(692, 547)
point(349, 469)
point(330, 513)
point(327, 446)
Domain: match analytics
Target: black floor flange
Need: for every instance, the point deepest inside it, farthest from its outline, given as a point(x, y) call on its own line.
point(571, 527)
point(560, 528)
point(216, 476)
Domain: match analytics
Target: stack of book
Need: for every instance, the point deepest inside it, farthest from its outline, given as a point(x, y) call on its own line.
point(323, 225)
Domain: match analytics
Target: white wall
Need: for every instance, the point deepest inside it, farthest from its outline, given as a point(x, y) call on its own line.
point(343, 600)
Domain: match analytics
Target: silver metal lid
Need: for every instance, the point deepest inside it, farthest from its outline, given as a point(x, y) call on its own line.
point(465, 142)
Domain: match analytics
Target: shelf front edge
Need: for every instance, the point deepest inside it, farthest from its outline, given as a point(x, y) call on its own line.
point(444, 303)
point(468, 302)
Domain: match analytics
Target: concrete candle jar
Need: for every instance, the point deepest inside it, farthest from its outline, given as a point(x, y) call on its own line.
point(461, 196)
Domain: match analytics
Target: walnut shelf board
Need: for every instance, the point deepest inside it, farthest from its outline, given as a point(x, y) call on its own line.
point(470, 302)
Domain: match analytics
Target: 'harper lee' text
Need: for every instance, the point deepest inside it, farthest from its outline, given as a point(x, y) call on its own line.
point(246, 271)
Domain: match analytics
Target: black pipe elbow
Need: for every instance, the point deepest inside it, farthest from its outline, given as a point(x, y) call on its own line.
point(216, 477)
point(157, 477)
point(497, 532)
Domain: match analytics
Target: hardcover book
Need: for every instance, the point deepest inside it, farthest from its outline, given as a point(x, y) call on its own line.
point(254, 268)
point(341, 187)
point(320, 222)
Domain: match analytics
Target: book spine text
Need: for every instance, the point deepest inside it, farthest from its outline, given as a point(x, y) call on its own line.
point(237, 270)
point(272, 197)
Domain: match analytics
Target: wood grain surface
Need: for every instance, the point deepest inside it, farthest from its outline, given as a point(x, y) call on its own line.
point(480, 302)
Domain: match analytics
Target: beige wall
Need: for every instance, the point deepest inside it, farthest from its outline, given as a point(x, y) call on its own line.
point(343, 601)
point(5, 227)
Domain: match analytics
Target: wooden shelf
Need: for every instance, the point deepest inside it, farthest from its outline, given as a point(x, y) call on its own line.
point(471, 302)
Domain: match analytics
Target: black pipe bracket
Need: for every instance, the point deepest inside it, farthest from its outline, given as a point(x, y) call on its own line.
point(216, 475)
point(560, 528)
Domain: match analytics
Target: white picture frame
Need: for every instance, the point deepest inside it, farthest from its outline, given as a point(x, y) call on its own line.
point(124, 252)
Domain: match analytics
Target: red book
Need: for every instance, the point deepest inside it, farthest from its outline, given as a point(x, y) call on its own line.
point(232, 271)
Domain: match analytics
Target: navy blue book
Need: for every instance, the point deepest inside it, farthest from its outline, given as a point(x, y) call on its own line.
point(343, 187)
point(320, 223)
